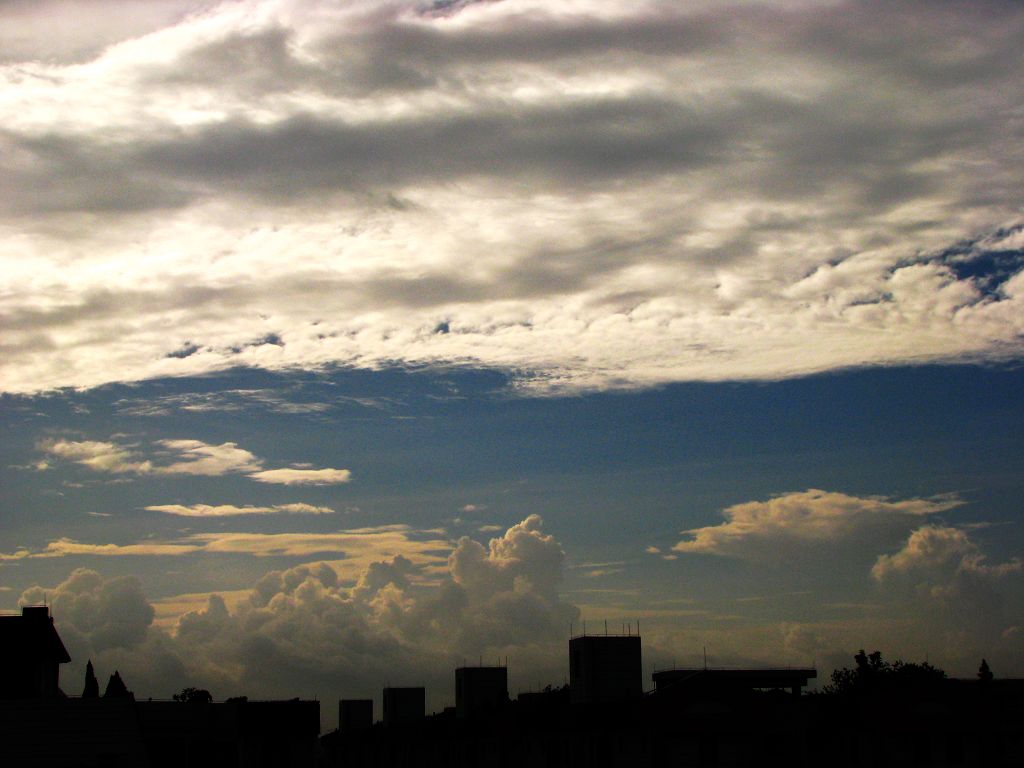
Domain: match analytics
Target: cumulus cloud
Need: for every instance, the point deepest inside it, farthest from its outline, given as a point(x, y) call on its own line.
point(226, 510)
point(592, 195)
point(286, 476)
point(110, 612)
point(943, 580)
point(753, 527)
point(312, 629)
point(933, 549)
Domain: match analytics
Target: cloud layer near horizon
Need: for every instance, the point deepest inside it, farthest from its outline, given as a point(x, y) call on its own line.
point(312, 628)
point(590, 195)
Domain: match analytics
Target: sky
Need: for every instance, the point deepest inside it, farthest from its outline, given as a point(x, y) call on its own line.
point(343, 343)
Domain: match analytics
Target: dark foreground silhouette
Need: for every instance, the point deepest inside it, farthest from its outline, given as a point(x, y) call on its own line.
point(876, 713)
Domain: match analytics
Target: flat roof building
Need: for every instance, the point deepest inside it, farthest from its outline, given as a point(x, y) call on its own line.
point(604, 668)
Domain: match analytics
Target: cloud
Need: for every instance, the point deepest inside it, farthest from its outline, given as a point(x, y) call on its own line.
point(303, 476)
point(356, 547)
point(64, 547)
point(231, 401)
point(112, 612)
point(933, 549)
point(226, 510)
point(941, 579)
point(309, 629)
point(615, 195)
point(195, 458)
point(97, 456)
point(207, 460)
point(752, 528)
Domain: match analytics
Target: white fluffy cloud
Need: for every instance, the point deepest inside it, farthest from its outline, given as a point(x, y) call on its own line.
point(598, 194)
point(754, 527)
point(307, 629)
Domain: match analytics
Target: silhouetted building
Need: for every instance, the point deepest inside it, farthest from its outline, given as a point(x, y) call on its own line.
point(31, 653)
point(479, 690)
point(404, 705)
point(355, 715)
point(605, 668)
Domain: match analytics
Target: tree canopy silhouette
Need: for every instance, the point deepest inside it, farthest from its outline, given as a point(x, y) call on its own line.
point(984, 673)
point(875, 675)
point(194, 696)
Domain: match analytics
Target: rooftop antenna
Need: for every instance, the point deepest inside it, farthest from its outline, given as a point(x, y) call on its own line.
point(705, 658)
point(606, 627)
point(584, 627)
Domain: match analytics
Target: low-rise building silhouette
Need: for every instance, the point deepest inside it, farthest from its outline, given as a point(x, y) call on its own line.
point(31, 653)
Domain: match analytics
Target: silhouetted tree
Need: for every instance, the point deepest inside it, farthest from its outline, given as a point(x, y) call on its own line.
point(984, 673)
point(193, 696)
point(116, 689)
point(92, 685)
point(872, 674)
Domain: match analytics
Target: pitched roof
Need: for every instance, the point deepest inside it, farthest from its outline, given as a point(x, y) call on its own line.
point(32, 636)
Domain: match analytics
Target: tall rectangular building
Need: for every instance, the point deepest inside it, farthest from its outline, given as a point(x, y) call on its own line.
point(479, 690)
point(604, 668)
